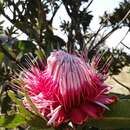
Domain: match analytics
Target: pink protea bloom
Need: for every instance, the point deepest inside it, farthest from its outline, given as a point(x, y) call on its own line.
point(67, 90)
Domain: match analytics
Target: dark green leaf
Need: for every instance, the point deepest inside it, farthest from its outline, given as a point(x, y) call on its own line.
point(11, 121)
point(22, 110)
point(117, 117)
point(37, 123)
point(31, 119)
point(40, 54)
point(1, 57)
point(5, 103)
point(24, 46)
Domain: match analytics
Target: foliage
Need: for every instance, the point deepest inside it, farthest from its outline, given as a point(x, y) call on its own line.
point(118, 116)
point(118, 14)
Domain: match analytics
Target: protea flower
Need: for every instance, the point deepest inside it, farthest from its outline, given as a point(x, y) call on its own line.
point(67, 90)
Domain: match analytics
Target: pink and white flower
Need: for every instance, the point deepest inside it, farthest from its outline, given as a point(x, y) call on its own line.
point(67, 90)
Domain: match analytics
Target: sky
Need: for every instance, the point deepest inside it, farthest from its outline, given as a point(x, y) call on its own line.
point(97, 7)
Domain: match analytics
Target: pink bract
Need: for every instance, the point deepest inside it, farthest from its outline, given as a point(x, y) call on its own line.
point(67, 90)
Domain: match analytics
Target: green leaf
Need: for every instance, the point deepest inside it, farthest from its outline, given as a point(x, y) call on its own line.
point(11, 121)
point(34, 120)
point(40, 53)
point(22, 110)
point(24, 46)
point(5, 103)
point(38, 123)
point(117, 117)
point(1, 57)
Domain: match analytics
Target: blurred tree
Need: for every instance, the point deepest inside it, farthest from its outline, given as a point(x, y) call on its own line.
point(35, 18)
point(31, 17)
point(114, 18)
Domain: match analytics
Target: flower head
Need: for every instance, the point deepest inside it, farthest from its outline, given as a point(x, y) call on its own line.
point(67, 90)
